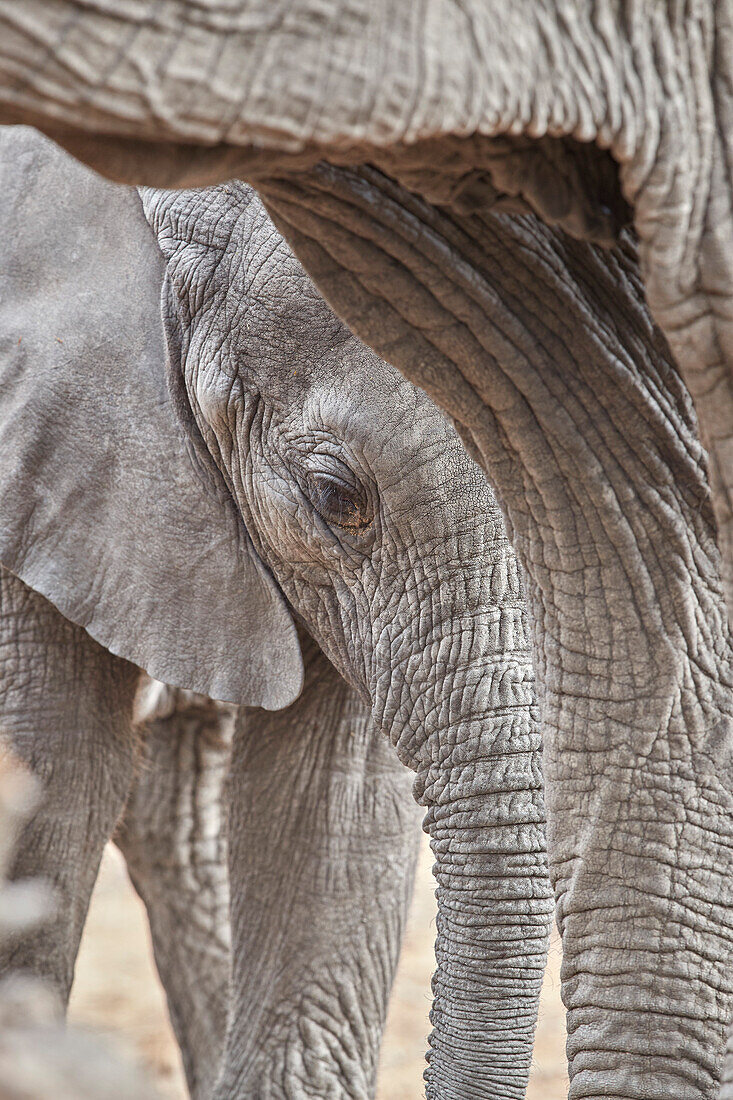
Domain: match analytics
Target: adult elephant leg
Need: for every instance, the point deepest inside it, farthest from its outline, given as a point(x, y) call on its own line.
point(543, 351)
point(322, 845)
point(66, 712)
point(687, 259)
point(173, 838)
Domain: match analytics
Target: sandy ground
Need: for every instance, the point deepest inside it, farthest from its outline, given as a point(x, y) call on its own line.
point(117, 992)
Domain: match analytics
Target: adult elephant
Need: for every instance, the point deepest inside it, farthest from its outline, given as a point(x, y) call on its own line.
point(205, 475)
point(399, 148)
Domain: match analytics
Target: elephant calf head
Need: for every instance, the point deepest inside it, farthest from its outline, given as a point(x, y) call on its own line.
point(236, 461)
point(355, 490)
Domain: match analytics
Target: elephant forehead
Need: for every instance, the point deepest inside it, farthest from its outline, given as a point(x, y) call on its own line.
point(393, 427)
point(245, 290)
point(268, 286)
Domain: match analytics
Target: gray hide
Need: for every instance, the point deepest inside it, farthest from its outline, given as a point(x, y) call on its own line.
point(106, 515)
point(592, 115)
point(348, 493)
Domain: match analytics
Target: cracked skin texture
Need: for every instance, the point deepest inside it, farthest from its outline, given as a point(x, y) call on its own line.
point(597, 473)
point(315, 483)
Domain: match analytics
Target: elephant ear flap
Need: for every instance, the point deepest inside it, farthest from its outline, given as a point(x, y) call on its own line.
point(103, 508)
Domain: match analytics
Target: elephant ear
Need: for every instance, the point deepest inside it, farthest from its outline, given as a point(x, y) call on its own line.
point(103, 509)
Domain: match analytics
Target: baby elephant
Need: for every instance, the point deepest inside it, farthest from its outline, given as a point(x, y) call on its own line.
point(204, 475)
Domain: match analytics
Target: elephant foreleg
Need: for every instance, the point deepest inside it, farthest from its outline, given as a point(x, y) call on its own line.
point(322, 845)
point(66, 712)
point(173, 839)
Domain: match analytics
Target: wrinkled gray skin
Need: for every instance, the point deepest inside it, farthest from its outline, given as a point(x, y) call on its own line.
point(173, 837)
point(317, 793)
point(39, 1058)
point(438, 124)
point(176, 494)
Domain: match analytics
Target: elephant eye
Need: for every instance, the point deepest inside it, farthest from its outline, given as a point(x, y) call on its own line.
point(340, 504)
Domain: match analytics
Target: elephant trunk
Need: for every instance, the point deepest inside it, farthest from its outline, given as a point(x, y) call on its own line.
point(474, 743)
point(494, 906)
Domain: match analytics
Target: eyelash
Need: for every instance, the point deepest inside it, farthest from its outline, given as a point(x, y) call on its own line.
point(352, 510)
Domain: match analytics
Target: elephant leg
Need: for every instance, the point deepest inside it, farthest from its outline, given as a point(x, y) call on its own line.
point(66, 712)
point(323, 838)
point(172, 836)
